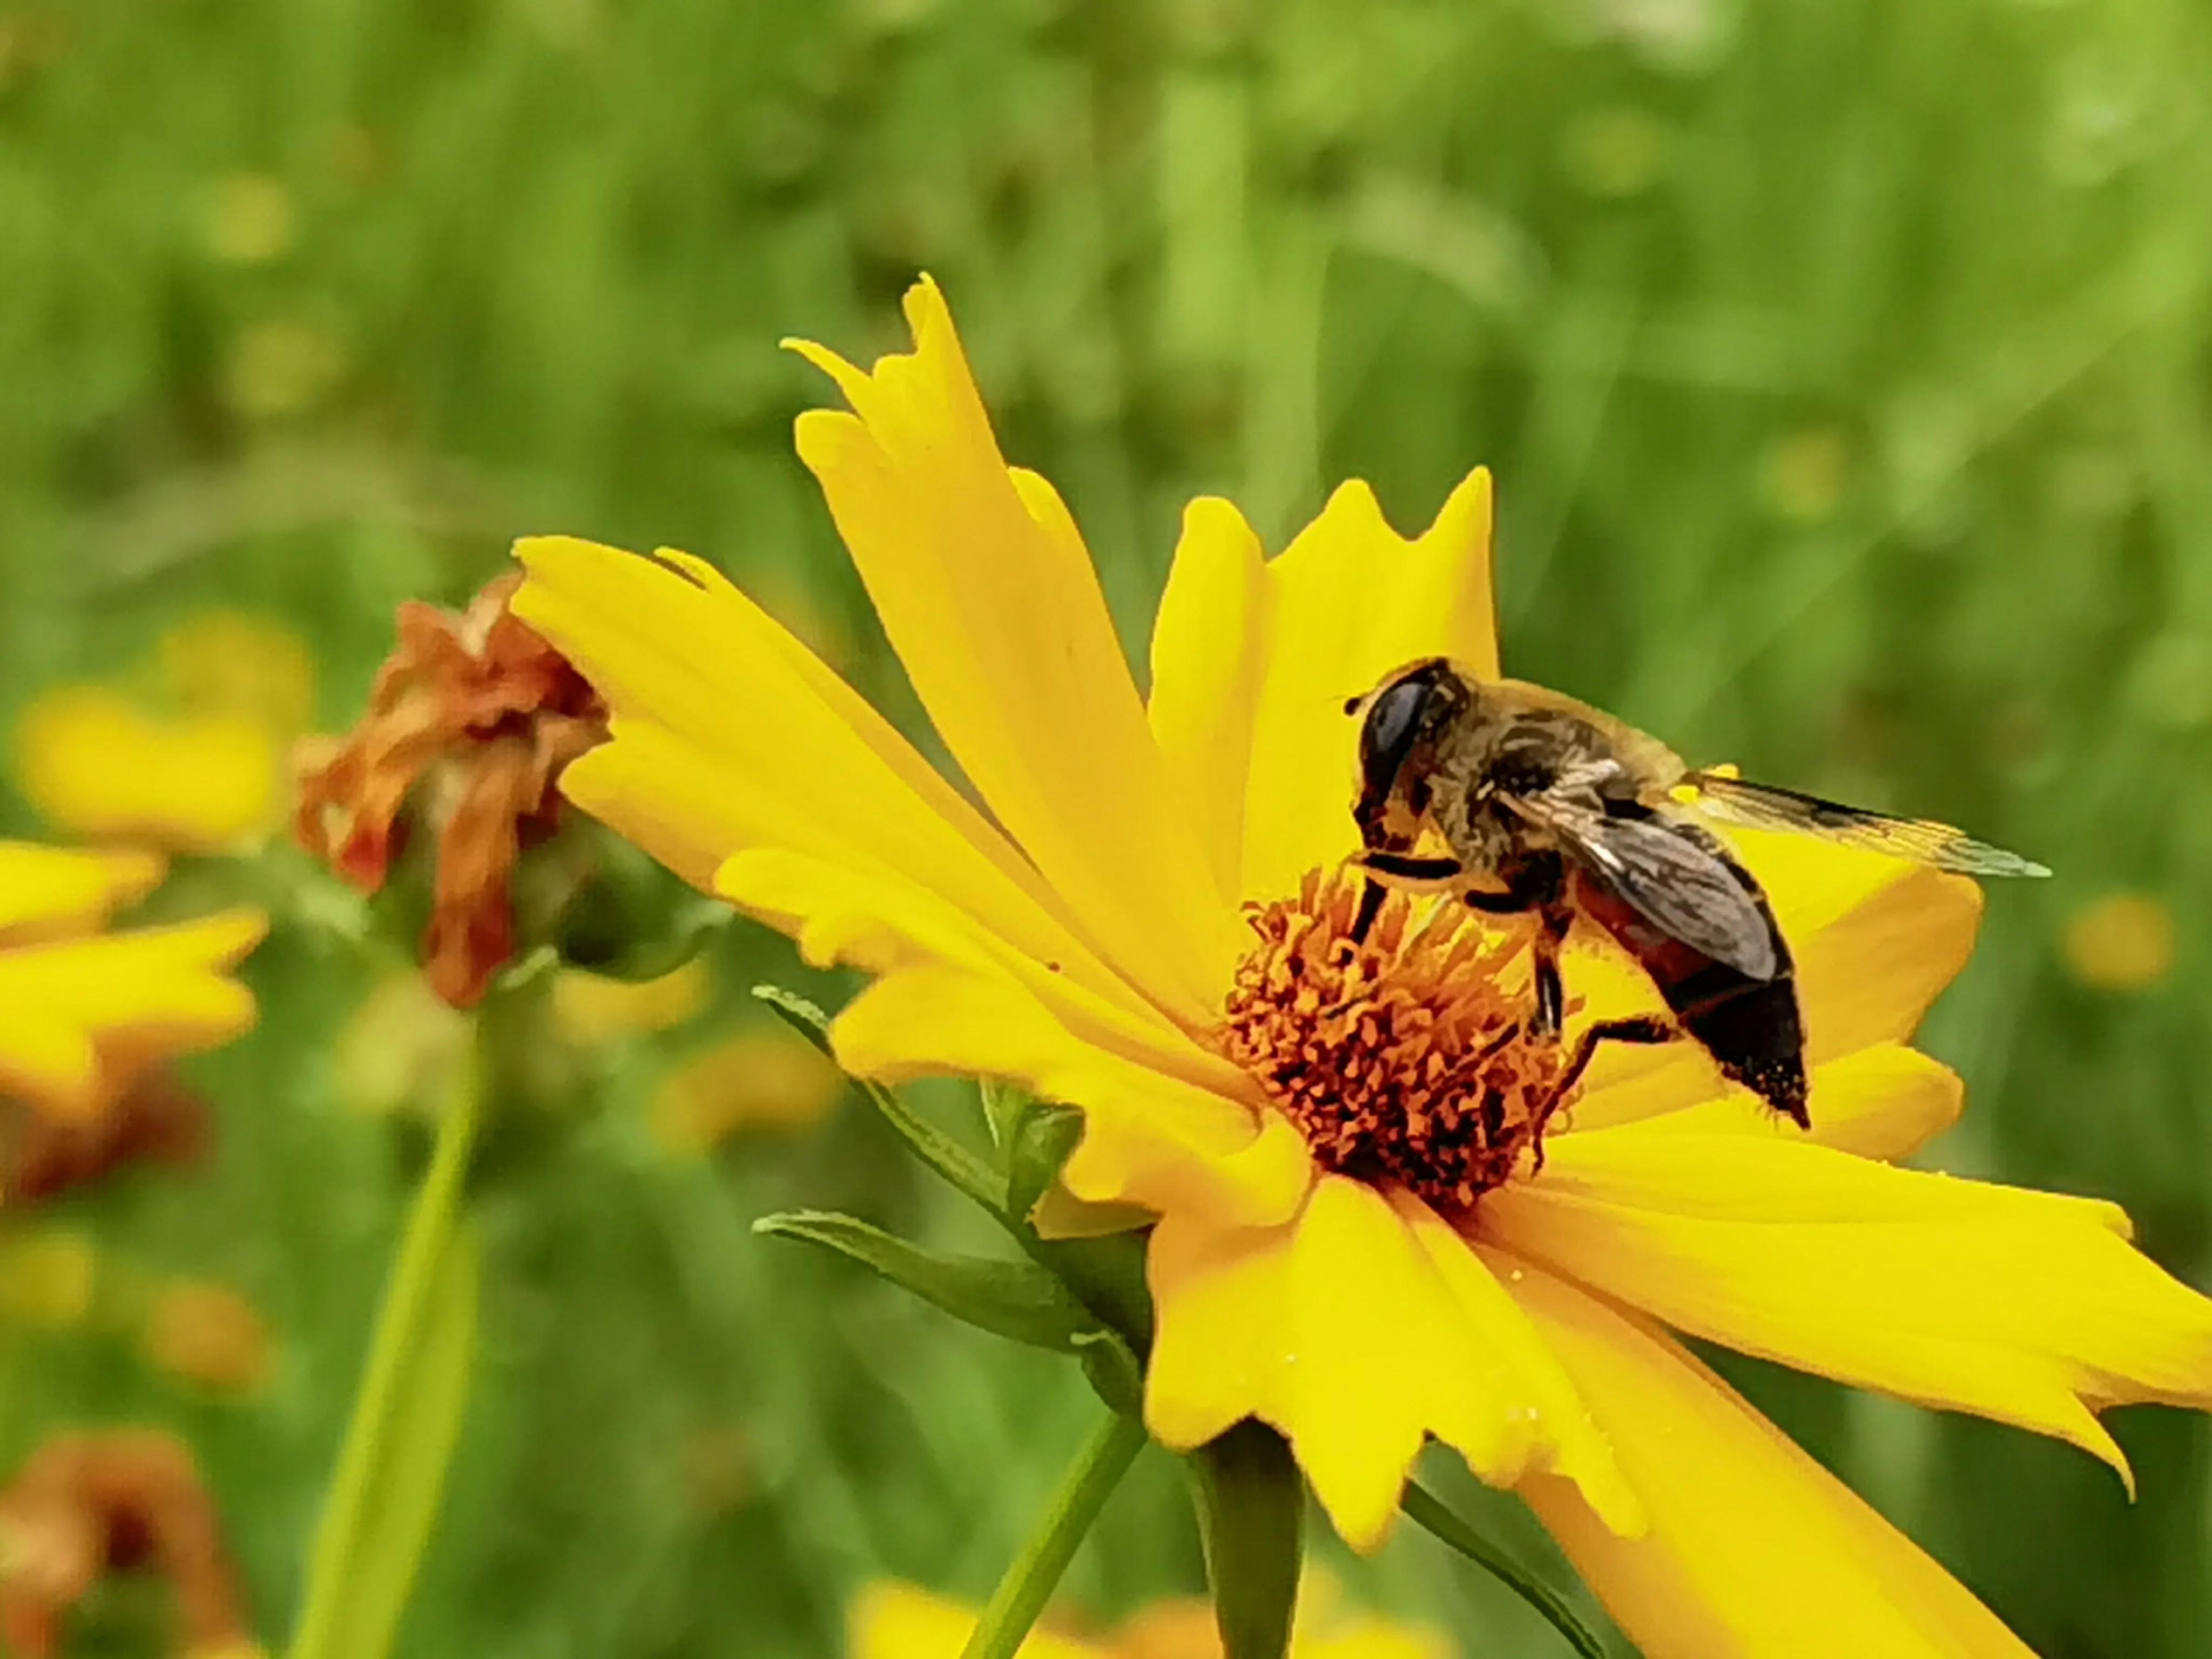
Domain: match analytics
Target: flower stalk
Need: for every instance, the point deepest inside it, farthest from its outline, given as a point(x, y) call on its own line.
point(382, 1500)
point(1035, 1572)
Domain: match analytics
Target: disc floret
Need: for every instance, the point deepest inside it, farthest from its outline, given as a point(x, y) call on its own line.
point(1404, 1057)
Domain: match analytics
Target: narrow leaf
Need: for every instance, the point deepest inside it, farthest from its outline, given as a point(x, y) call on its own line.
point(404, 1499)
point(954, 1162)
point(1251, 1512)
point(1436, 1518)
point(1017, 1300)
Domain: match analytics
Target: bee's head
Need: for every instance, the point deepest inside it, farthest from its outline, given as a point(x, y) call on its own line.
point(1400, 721)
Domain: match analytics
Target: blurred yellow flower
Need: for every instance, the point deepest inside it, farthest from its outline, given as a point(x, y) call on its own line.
point(200, 765)
point(902, 1621)
point(280, 366)
point(766, 1077)
point(233, 662)
point(46, 1278)
point(88, 1011)
point(2121, 942)
point(1803, 475)
point(208, 1333)
point(249, 220)
point(592, 1009)
point(96, 765)
point(1085, 940)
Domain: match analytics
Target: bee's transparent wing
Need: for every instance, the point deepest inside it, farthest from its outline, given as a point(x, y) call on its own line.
point(1764, 806)
point(1660, 870)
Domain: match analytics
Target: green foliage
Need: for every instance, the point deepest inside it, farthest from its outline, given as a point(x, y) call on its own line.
point(1845, 373)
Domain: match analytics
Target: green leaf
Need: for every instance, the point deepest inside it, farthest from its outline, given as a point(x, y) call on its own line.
point(1432, 1514)
point(1251, 1513)
point(402, 1510)
point(967, 1172)
point(1017, 1300)
point(383, 1497)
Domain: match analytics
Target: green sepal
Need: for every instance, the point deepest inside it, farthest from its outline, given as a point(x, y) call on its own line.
point(611, 909)
point(1017, 1300)
point(1251, 1513)
point(967, 1172)
point(1039, 1139)
point(1116, 1376)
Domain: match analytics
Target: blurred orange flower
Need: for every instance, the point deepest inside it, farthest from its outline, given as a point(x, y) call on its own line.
point(481, 708)
point(87, 1505)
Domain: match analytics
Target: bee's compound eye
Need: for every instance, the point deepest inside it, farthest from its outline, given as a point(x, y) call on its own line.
point(1395, 720)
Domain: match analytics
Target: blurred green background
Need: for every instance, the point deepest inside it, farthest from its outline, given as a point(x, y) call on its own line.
point(1845, 371)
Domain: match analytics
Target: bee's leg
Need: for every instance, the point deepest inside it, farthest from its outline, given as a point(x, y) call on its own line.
point(1551, 990)
point(1402, 870)
point(1371, 906)
point(1641, 1030)
point(1407, 871)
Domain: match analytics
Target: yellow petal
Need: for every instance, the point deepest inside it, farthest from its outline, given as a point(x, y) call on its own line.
point(2028, 1307)
point(1150, 1138)
point(1754, 1551)
point(93, 764)
point(1360, 1330)
point(50, 892)
point(1885, 1102)
point(1350, 600)
point(730, 734)
point(765, 1078)
point(879, 922)
point(991, 601)
point(1209, 648)
point(83, 1013)
point(900, 1621)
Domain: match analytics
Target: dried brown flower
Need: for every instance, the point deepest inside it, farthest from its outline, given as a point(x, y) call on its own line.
point(479, 707)
point(155, 1119)
point(125, 1501)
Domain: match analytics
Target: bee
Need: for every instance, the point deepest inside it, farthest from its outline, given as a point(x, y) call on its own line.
point(1559, 811)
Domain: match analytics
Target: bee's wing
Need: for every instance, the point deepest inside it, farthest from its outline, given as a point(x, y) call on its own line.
point(1764, 806)
point(1677, 885)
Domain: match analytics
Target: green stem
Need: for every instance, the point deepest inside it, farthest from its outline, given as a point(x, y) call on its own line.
point(1029, 1581)
point(1431, 1513)
point(399, 1324)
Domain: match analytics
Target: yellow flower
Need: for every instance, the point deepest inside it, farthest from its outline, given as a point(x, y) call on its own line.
point(900, 1621)
point(766, 1077)
point(199, 771)
point(1086, 939)
point(208, 1333)
point(592, 1009)
point(88, 1011)
point(2121, 942)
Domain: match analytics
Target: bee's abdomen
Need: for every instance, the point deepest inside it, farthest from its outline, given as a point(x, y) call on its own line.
point(1751, 1027)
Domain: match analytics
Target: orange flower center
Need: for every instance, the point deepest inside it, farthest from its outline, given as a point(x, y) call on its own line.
point(1400, 1057)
